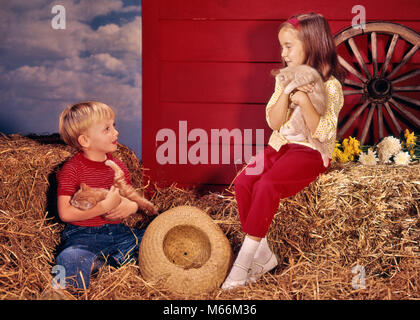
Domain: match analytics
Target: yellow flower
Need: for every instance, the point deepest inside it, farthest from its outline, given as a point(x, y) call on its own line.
point(336, 151)
point(410, 138)
point(351, 148)
point(342, 157)
point(355, 146)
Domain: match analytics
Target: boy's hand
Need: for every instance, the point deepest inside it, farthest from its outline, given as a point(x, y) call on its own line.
point(111, 200)
point(123, 210)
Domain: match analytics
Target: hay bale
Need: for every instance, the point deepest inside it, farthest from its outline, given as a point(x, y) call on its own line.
point(29, 226)
point(350, 216)
point(356, 215)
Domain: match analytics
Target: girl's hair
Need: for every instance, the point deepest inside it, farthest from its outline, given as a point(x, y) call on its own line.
point(77, 118)
point(320, 51)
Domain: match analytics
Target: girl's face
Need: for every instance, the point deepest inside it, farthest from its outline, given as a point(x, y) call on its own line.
point(293, 51)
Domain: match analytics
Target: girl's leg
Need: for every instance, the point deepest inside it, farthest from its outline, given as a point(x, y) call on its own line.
point(264, 260)
point(239, 273)
point(295, 169)
point(244, 183)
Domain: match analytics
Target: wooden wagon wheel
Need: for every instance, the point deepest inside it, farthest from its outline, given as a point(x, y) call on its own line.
point(375, 103)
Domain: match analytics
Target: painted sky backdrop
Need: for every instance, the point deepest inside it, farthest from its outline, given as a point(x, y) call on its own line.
point(96, 57)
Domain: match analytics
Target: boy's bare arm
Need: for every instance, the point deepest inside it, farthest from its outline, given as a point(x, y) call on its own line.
point(123, 210)
point(68, 213)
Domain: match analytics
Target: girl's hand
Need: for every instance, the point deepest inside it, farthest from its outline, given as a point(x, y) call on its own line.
point(307, 88)
point(123, 210)
point(300, 98)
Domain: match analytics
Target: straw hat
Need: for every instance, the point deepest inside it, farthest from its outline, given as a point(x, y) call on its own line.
point(187, 250)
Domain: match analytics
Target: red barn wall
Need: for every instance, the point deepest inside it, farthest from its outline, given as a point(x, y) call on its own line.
point(208, 62)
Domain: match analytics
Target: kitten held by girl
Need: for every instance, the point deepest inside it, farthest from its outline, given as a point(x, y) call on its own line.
point(290, 164)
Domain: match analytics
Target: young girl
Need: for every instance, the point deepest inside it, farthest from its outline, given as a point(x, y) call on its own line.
point(288, 166)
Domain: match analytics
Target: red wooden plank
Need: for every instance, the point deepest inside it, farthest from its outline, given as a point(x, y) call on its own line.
point(219, 40)
point(187, 170)
point(275, 9)
point(208, 116)
point(151, 75)
point(194, 174)
point(186, 135)
point(245, 41)
point(198, 152)
point(216, 82)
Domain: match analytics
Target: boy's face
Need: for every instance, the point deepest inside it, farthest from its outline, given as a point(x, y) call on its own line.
point(101, 138)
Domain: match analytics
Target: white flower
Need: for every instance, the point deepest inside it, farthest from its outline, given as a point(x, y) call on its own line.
point(369, 158)
point(402, 158)
point(387, 148)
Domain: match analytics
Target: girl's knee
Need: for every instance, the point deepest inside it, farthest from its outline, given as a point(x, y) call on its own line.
point(265, 184)
point(242, 180)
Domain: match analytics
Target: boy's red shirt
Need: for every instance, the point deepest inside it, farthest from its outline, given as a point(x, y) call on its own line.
point(95, 174)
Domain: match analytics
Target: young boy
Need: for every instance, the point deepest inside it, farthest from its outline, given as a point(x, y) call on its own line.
point(96, 235)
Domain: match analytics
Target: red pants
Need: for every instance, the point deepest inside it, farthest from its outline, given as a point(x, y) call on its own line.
point(284, 173)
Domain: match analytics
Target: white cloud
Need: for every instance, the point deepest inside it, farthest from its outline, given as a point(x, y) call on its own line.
point(69, 65)
point(42, 70)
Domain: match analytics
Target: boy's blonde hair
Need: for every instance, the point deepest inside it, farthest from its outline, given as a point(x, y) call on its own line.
point(77, 118)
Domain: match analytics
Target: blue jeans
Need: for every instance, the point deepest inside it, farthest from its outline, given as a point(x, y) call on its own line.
point(83, 247)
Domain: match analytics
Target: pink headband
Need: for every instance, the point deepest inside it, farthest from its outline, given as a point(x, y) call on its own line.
point(294, 22)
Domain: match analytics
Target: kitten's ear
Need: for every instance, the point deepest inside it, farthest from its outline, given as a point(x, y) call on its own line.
point(83, 186)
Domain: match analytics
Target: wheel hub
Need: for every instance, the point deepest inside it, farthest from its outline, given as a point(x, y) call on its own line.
point(379, 89)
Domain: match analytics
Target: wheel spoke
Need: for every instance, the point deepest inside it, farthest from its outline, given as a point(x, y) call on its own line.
point(350, 92)
point(367, 124)
point(407, 88)
point(407, 99)
point(380, 121)
point(406, 76)
point(353, 117)
point(393, 118)
point(374, 53)
point(407, 113)
point(353, 83)
point(350, 69)
point(389, 54)
point(403, 61)
point(359, 57)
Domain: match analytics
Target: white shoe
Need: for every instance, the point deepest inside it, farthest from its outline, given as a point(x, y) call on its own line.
point(230, 283)
point(258, 269)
